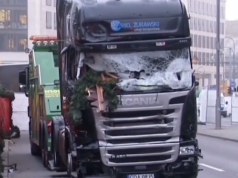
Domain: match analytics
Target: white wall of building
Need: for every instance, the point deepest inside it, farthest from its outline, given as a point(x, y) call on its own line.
point(8, 58)
point(41, 18)
point(203, 15)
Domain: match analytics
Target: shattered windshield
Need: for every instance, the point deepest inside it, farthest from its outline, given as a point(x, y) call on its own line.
point(145, 70)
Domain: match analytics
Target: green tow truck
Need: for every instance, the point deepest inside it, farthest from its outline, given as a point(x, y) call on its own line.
point(39, 81)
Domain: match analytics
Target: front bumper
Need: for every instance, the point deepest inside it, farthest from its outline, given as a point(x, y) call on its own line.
point(186, 167)
point(183, 166)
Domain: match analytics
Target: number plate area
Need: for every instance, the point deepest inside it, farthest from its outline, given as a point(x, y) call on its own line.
point(141, 176)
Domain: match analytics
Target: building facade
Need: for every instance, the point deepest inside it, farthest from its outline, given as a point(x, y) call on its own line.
point(42, 17)
point(19, 19)
point(13, 31)
point(231, 51)
point(203, 31)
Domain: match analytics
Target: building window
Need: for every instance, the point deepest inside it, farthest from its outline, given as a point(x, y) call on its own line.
point(48, 2)
point(203, 8)
point(222, 14)
point(213, 11)
point(200, 7)
point(21, 19)
point(210, 9)
point(203, 24)
point(188, 7)
point(211, 26)
point(191, 23)
point(196, 6)
point(192, 5)
point(203, 42)
point(21, 2)
point(13, 19)
point(198, 22)
point(199, 41)
point(195, 23)
point(195, 41)
point(207, 58)
point(211, 43)
point(55, 25)
point(203, 58)
point(13, 42)
point(48, 20)
point(5, 18)
point(13, 2)
point(207, 43)
point(199, 57)
point(222, 42)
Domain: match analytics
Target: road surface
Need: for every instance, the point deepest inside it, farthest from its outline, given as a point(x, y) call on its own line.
point(220, 160)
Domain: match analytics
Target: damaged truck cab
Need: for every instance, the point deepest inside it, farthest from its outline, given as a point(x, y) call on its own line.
point(127, 90)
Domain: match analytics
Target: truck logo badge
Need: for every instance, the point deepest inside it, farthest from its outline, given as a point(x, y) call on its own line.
point(52, 93)
point(139, 101)
point(116, 25)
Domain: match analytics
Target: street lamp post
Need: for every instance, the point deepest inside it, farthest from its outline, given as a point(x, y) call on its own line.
point(218, 99)
point(234, 54)
point(231, 58)
point(201, 73)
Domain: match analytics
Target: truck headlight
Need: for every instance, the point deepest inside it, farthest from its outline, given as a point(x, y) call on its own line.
point(186, 150)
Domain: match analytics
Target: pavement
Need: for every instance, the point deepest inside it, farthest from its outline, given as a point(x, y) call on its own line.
point(28, 166)
point(220, 159)
point(229, 130)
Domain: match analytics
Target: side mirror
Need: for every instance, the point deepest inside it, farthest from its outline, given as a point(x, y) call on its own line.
point(196, 83)
point(22, 77)
point(226, 102)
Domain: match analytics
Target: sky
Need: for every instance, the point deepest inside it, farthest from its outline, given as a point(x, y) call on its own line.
point(231, 10)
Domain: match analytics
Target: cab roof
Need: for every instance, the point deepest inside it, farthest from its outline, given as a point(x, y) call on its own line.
point(130, 9)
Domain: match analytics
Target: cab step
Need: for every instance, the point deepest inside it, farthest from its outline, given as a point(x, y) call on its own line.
point(53, 168)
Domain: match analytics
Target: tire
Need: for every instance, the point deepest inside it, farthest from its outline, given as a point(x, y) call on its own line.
point(35, 149)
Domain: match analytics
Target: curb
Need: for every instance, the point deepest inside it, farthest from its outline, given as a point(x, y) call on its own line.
point(201, 123)
point(221, 138)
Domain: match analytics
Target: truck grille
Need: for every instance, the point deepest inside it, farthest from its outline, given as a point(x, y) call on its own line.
point(139, 136)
